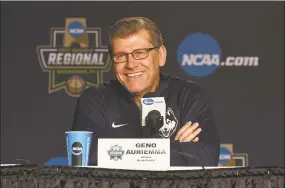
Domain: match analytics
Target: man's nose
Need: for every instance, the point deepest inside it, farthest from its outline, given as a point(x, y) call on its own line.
point(131, 62)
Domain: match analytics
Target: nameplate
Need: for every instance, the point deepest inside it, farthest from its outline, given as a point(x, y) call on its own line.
point(134, 154)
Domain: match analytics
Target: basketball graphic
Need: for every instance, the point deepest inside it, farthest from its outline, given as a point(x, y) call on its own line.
point(75, 85)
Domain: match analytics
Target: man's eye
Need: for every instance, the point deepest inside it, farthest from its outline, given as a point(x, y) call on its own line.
point(120, 56)
point(139, 52)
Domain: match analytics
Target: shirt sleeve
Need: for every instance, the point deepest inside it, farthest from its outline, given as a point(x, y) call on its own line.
point(195, 107)
point(90, 115)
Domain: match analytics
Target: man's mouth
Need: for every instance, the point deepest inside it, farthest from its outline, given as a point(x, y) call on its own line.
point(135, 75)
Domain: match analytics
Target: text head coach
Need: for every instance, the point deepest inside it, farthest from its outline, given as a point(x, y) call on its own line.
point(113, 109)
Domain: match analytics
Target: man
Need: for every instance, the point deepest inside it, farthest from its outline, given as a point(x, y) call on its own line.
point(112, 110)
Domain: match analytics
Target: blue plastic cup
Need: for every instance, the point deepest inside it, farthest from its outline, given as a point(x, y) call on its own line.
point(78, 147)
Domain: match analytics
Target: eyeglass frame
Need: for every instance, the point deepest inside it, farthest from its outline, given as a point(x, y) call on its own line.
point(127, 54)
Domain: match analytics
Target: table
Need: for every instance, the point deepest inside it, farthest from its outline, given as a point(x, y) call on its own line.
point(38, 176)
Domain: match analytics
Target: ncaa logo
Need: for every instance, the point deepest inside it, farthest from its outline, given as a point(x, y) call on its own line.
point(225, 155)
point(148, 101)
point(199, 54)
point(77, 148)
point(76, 29)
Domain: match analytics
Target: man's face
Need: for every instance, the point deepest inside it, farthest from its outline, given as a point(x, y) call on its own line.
point(138, 76)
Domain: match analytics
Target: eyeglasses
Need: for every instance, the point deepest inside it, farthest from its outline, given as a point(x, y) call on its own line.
point(137, 54)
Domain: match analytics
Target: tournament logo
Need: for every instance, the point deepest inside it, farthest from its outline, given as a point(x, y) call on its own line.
point(116, 152)
point(75, 58)
point(200, 55)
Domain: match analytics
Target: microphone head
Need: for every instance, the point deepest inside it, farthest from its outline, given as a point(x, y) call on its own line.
point(153, 110)
point(154, 119)
point(154, 113)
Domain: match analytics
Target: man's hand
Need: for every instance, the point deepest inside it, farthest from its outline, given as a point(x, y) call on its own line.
point(189, 132)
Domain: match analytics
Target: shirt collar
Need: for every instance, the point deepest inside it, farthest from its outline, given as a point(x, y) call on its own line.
point(161, 89)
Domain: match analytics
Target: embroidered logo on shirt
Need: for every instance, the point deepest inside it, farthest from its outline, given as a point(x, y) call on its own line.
point(118, 125)
point(170, 124)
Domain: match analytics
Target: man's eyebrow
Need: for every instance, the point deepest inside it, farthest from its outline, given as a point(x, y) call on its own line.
point(117, 53)
point(120, 52)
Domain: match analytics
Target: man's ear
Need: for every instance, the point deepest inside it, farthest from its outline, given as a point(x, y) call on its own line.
point(162, 55)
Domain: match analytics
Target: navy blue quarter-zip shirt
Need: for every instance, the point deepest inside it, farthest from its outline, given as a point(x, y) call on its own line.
point(109, 111)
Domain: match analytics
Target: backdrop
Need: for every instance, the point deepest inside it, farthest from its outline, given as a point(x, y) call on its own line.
point(234, 50)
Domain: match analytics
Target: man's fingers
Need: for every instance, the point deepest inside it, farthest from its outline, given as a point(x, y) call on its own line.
point(188, 131)
point(191, 136)
point(182, 130)
point(196, 139)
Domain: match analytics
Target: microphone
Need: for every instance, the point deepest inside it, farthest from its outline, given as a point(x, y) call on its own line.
point(153, 114)
point(154, 120)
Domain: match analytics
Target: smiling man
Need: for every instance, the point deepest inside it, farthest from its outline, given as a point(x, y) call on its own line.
point(112, 110)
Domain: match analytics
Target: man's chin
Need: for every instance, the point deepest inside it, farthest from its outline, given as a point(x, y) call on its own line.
point(135, 92)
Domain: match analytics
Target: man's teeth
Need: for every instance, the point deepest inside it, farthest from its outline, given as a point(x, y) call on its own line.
point(135, 74)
